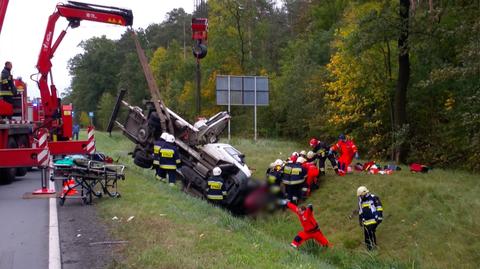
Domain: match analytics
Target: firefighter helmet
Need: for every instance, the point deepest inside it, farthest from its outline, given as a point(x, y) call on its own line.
point(217, 171)
point(313, 142)
point(362, 190)
point(301, 160)
point(294, 157)
point(278, 162)
point(164, 136)
point(303, 153)
point(310, 155)
point(170, 138)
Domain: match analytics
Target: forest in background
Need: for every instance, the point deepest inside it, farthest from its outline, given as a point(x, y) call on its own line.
point(402, 78)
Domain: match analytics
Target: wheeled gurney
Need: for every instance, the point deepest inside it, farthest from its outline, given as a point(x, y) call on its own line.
point(87, 177)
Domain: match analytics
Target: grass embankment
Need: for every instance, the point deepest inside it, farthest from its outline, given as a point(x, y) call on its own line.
point(431, 221)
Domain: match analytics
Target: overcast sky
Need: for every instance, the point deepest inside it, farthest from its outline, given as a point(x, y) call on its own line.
point(24, 27)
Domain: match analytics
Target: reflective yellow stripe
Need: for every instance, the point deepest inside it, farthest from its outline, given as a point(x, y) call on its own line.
point(158, 177)
point(369, 222)
point(156, 162)
point(379, 208)
point(272, 179)
point(215, 197)
point(214, 185)
point(294, 182)
point(156, 149)
point(366, 205)
point(275, 189)
point(4, 81)
point(179, 161)
point(168, 166)
point(296, 171)
point(167, 153)
point(6, 93)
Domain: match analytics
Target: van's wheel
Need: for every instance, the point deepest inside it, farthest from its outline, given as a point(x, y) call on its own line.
point(141, 159)
point(7, 175)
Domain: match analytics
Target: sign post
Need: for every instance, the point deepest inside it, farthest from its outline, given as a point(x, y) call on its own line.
point(229, 101)
point(90, 115)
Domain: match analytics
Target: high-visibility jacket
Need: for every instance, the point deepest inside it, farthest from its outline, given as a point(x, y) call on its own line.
point(306, 218)
point(293, 174)
point(165, 155)
point(7, 86)
point(370, 210)
point(274, 179)
point(216, 189)
point(321, 150)
point(157, 145)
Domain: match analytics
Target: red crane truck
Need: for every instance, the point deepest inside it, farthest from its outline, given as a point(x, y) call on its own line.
point(20, 141)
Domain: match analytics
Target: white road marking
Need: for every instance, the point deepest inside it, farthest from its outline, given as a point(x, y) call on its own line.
point(54, 258)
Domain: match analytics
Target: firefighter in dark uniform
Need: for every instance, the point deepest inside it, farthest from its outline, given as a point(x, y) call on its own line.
point(216, 191)
point(168, 160)
point(370, 214)
point(322, 151)
point(160, 174)
point(274, 178)
point(294, 179)
point(7, 89)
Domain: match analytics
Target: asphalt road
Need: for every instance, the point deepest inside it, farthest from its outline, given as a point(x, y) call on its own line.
point(24, 228)
point(23, 225)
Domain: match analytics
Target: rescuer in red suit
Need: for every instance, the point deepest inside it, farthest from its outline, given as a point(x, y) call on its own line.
point(310, 225)
point(347, 150)
point(312, 175)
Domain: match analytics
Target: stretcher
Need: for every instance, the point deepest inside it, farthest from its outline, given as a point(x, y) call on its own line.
point(85, 179)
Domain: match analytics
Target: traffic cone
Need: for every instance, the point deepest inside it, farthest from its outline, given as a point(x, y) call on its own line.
point(68, 187)
point(71, 184)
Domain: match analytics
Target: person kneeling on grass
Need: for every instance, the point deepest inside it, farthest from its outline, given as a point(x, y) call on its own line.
point(310, 226)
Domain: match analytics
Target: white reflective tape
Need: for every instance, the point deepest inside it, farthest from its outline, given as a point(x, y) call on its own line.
point(42, 140)
point(42, 155)
point(90, 134)
point(90, 146)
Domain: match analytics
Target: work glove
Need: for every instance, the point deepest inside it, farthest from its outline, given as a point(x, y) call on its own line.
point(357, 156)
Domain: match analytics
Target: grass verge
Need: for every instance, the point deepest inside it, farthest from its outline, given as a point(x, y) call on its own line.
point(431, 220)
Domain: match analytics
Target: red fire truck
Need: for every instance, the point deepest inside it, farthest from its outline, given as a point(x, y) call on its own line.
point(22, 122)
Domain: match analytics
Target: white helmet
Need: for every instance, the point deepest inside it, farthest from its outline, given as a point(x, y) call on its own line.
point(217, 171)
point(362, 190)
point(310, 154)
point(303, 152)
point(301, 160)
point(170, 138)
point(278, 162)
point(164, 136)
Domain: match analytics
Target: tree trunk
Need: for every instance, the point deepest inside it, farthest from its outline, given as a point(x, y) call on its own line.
point(400, 111)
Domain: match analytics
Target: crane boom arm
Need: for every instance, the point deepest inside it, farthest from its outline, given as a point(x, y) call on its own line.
point(74, 12)
point(3, 10)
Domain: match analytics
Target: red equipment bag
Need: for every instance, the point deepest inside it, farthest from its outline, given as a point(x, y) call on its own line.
point(418, 168)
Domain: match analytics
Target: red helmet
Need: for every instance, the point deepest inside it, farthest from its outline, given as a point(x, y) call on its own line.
point(294, 157)
point(313, 142)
